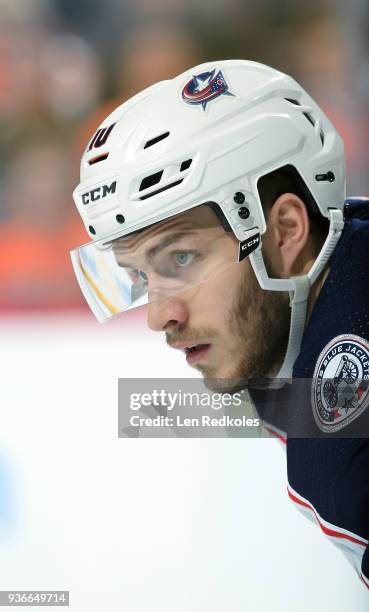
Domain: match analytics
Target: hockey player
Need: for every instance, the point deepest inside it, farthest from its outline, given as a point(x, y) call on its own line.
point(218, 198)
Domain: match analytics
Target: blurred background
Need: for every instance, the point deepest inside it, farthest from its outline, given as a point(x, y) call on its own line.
point(140, 525)
point(64, 65)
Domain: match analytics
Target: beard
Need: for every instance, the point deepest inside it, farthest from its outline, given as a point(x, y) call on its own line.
point(265, 326)
point(259, 320)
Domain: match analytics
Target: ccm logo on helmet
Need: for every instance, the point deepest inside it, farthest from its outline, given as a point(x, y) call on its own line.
point(98, 193)
point(248, 246)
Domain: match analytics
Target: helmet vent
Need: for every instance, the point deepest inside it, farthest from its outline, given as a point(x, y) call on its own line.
point(149, 195)
point(307, 115)
point(185, 165)
point(152, 179)
point(310, 119)
point(98, 158)
point(154, 141)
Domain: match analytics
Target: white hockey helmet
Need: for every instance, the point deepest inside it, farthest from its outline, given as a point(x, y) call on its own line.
point(206, 136)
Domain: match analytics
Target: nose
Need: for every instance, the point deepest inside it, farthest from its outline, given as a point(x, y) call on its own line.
point(166, 313)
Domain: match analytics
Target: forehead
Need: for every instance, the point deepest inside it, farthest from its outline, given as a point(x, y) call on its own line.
point(201, 220)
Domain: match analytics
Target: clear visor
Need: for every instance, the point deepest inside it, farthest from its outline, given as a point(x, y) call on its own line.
point(161, 261)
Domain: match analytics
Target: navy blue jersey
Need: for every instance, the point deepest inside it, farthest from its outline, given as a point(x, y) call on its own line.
point(325, 411)
point(328, 472)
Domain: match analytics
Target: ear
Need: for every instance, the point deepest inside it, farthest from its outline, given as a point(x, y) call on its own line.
point(286, 238)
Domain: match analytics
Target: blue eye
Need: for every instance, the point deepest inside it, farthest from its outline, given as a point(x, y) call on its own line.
point(183, 258)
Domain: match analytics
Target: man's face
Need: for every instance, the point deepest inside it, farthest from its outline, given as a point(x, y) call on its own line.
point(236, 329)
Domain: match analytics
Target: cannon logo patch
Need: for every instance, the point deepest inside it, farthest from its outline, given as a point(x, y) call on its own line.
point(340, 387)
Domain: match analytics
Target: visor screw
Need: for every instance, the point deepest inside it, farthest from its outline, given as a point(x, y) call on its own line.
point(91, 229)
point(239, 197)
point(120, 218)
point(243, 212)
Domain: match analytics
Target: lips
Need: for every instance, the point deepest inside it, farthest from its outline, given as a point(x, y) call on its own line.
point(184, 346)
point(194, 350)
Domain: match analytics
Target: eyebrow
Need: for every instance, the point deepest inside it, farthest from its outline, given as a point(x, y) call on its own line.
point(164, 242)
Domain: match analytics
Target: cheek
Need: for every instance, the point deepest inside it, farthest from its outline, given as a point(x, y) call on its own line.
point(214, 299)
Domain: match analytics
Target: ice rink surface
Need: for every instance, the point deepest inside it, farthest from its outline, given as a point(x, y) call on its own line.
point(142, 525)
